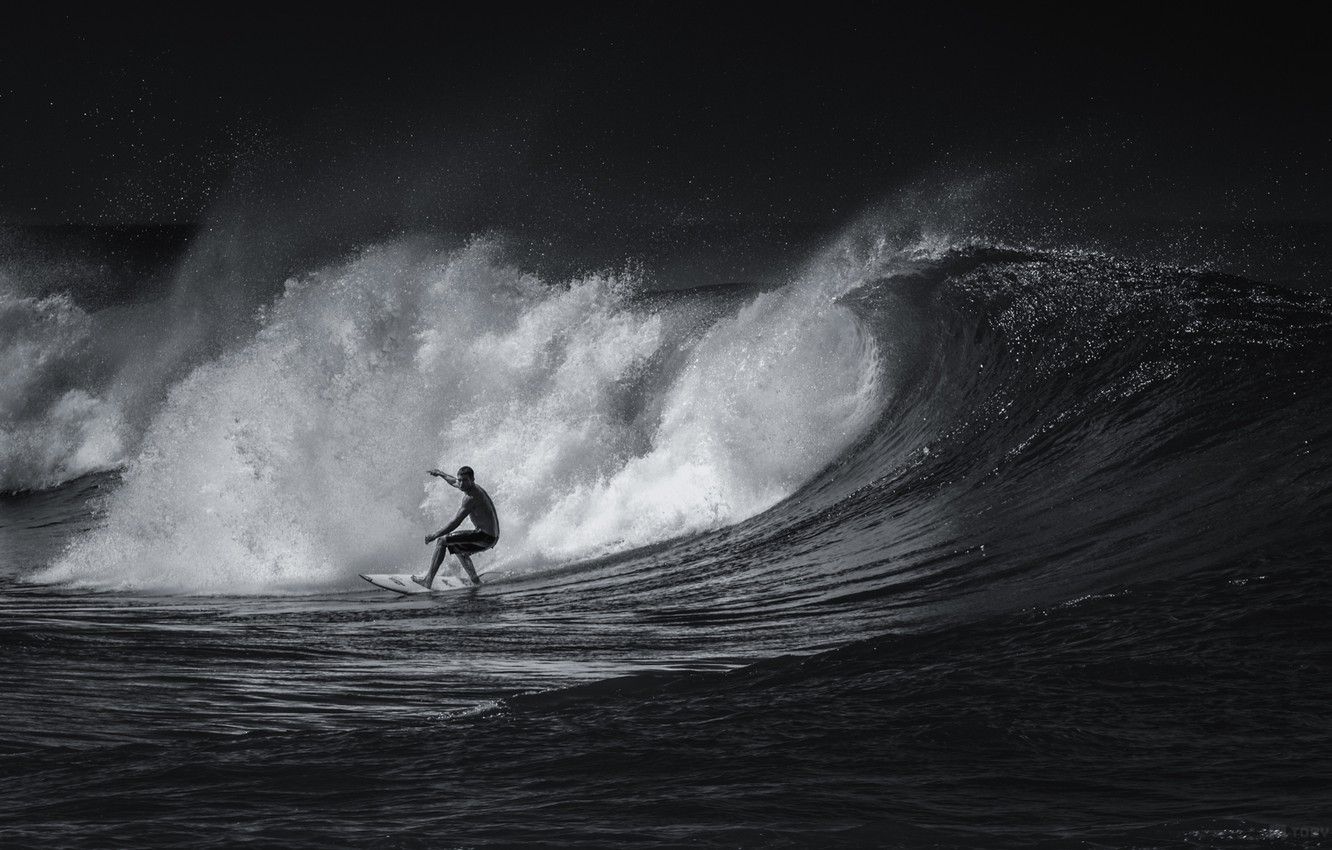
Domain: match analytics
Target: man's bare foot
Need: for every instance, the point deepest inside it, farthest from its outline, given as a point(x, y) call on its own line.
point(421, 581)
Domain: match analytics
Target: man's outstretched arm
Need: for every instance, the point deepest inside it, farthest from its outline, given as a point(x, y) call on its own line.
point(439, 473)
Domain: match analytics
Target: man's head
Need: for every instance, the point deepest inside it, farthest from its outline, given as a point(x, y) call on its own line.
point(466, 477)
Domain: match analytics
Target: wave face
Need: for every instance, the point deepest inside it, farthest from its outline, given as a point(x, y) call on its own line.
point(1075, 422)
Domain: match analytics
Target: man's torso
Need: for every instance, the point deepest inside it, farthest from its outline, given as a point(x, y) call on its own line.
point(481, 510)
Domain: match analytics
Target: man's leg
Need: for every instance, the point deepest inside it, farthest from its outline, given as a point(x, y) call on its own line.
point(467, 565)
point(441, 549)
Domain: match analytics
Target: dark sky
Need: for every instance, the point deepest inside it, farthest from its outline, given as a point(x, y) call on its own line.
point(663, 111)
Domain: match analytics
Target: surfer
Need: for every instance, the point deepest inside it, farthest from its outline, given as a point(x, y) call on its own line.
point(477, 505)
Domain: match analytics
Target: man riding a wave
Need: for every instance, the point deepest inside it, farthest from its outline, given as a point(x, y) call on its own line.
point(484, 534)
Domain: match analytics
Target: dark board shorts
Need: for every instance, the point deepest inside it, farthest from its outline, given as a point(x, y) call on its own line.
point(469, 542)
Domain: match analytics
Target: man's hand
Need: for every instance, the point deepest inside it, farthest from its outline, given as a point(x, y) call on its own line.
point(438, 473)
point(430, 538)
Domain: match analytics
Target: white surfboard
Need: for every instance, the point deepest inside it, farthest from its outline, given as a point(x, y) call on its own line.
point(402, 582)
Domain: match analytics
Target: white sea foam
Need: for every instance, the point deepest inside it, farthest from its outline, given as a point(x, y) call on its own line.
point(297, 459)
point(53, 425)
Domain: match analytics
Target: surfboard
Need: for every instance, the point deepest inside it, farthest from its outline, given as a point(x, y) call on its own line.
point(402, 583)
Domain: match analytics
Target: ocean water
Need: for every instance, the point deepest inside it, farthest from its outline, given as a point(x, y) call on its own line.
point(941, 540)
